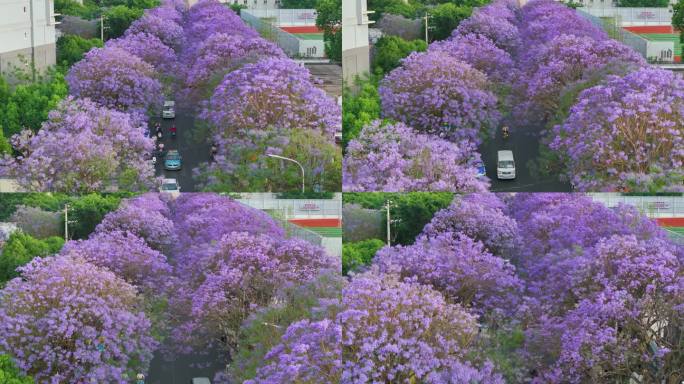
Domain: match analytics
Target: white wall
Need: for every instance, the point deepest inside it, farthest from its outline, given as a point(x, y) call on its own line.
point(15, 24)
point(355, 47)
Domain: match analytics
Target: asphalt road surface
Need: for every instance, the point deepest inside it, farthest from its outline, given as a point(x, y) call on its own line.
point(524, 142)
point(191, 141)
point(183, 368)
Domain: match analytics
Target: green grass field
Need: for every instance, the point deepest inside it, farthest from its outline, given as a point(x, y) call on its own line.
point(309, 36)
point(665, 37)
point(676, 233)
point(326, 231)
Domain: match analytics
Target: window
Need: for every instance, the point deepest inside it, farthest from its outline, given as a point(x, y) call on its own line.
point(24, 9)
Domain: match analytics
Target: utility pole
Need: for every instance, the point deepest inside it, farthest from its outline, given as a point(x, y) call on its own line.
point(102, 27)
point(426, 18)
point(387, 206)
point(66, 222)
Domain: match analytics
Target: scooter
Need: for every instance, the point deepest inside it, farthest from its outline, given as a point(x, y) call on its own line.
point(504, 133)
point(173, 132)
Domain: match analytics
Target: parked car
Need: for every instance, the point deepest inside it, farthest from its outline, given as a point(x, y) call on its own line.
point(200, 380)
point(173, 160)
point(170, 186)
point(169, 111)
point(505, 165)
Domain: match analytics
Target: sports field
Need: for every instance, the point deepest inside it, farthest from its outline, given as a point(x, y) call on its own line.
point(660, 33)
point(308, 32)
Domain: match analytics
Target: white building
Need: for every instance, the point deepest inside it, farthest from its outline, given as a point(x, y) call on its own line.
point(289, 29)
point(355, 47)
point(250, 4)
point(27, 34)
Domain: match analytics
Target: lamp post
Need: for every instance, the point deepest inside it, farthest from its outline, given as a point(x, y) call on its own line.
point(292, 160)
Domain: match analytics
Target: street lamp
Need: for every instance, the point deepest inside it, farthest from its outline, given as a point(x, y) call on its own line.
point(292, 160)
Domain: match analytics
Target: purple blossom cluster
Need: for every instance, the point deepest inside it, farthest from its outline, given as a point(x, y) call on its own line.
point(626, 134)
point(117, 79)
point(162, 24)
point(83, 147)
point(310, 352)
point(128, 256)
point(438, 94)
point(148, 48)
point(394, 157)
point(66, 320)
point(147, 217)
point(230, 260)
point(273, 92)
point(495, 22)
point(567, 59)
point(481, 53)
point(88, 313)
point(602, 284)
point(460, 268)
point(221, 53)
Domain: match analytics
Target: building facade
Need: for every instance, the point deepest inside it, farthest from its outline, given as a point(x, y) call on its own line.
point(355, 45)
point(27, 34)
point(249, 4)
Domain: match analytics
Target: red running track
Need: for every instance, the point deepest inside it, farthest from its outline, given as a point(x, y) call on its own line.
point(303, 29)
point(671, 221)
point(651, 29)
point(317, 222)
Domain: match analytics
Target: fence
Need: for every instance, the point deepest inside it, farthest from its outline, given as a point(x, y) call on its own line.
point(268, 22)
point(295, 208)
point(652, 206)
point(292, 230)
point(633, 16)
point(289, 17)
point(615, 31)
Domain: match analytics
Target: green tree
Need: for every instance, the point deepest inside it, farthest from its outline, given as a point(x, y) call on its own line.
point(88, 211)
point(329, 19)
point(87, 10)
point(359, 254)
point(410, 9)
point(27, 105)
point(643, 3)
point(10, 374)
point(389, 50)
point(117, 19)
point(71, 48)
point(444, 18)
point(360, 106)
point(298, 4)
point(409, 211)
point(22, 248)
point(678, 18)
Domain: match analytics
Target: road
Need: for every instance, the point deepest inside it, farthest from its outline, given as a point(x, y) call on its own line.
point(183, 368)
point(192, 143)
point(524, 142)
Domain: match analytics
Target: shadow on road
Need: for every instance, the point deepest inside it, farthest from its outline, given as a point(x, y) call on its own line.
point(524, 142)
point(192, 141)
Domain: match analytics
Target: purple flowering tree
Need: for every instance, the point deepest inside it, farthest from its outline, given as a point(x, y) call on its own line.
point(208, 17)
point(162, 26)
point(481, 217)
point(436, 93)
point(146, 216)
point(543, 20)
point(310, 352)
point(83, 147)
point(221, 53)
point(480, 52)
point(128, 256)
point(67, 321)
point(493, 23)
point(567, 59)
point(150, 49)
point(273, 92)
point(626, 134)
point(117, 79)
point(626, 320)
point(240, 273)
point(398, 331)
point(395, 158)
point(459, 267)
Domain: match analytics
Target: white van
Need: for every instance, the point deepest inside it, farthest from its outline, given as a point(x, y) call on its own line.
point(505, 165)
point(169, 111)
